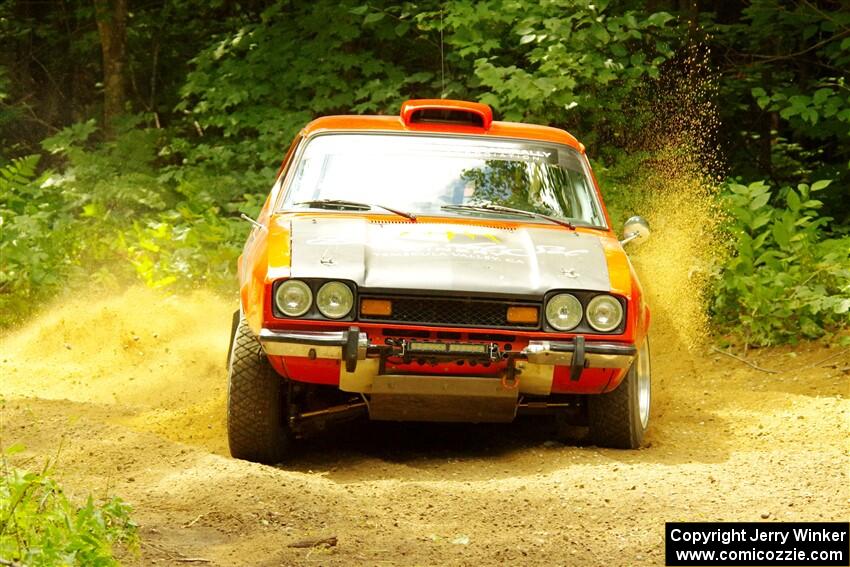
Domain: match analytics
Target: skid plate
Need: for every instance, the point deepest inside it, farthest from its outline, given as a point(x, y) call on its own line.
point(441, 398)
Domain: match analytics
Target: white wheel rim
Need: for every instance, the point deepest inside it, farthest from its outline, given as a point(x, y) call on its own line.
point(643, 383)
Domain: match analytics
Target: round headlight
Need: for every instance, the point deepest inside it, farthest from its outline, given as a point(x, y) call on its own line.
point(563, 312)
point(604, 313)
point(335, 300)
point(293, 298)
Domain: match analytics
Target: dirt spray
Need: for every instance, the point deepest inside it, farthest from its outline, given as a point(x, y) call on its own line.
point(678, 184)
point(150, 360)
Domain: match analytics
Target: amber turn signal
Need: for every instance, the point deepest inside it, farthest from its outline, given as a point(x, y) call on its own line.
point(521, 314)
point(382, 307)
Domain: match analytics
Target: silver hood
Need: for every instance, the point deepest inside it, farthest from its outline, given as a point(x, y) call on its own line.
point(451, 257)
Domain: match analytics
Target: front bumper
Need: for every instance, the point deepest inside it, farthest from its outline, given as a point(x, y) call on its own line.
point(534, 364)
point(350, 346)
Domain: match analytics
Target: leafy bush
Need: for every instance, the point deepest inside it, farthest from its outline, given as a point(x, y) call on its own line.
point(785, 110)
point(60, 230)
point(251, 90)
point(41, 526)
point(196, 240)
point(35, 247)
point(785, 280)
point(570, 63)
point(111, 217)
point(171, 226)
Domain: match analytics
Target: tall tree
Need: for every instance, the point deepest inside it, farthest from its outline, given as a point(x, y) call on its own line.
point(112, 26)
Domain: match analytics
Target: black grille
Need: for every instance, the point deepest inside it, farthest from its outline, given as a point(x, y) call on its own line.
point(451, 312)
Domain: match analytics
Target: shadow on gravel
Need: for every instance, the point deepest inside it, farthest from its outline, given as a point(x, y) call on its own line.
point(418, 444)
point(690, 423)
point(365, 450)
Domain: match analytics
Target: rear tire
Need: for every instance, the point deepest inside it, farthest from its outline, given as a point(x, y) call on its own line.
point(256, 400)
point(619, 419)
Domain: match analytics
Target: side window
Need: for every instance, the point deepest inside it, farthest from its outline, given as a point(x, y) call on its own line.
point(281, 172)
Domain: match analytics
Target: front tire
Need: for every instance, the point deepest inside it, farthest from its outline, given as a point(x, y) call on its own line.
point(256, 400)
point(619, 419)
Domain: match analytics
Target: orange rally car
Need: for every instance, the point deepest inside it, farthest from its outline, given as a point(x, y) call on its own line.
point(435, 266)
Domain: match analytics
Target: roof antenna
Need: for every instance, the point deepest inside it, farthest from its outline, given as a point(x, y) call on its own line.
point(442, 59)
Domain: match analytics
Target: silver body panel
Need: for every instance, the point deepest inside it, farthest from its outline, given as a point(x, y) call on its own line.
point(424, 256)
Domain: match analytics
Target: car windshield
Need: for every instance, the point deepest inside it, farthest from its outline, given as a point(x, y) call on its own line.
point(434, 174)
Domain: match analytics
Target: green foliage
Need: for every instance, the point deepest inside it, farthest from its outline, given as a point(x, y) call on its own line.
point(60, 230)
point(220, 88)
point(251, 90)
point(785, 95)
point(35, 248)
point(807, 110)
point(113, 217)
point(565, 63)
point(177, 227)
point(785, 280)
point(569, 63)
point(194, 242)
point(623, 185)
point(41, 526)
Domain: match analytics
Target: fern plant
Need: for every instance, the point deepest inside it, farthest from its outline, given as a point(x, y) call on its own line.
point(34, 244)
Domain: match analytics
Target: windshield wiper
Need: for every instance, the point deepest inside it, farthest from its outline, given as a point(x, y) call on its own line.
point(342, 203)
point(500, 209)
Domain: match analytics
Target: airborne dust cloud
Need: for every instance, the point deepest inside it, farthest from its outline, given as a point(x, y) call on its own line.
point(679, 183)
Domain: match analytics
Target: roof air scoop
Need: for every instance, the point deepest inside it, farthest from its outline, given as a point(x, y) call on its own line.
point(449, 112)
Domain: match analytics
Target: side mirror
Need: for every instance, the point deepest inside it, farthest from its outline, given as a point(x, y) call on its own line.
point(253, 223)
point(637, 229)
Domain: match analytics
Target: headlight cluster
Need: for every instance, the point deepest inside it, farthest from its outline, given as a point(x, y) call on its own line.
point(294, 298)
point(335, 300)
point(604, 313)
point(564, 312)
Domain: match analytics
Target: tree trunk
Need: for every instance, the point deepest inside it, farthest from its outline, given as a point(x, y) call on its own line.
point(112, 26)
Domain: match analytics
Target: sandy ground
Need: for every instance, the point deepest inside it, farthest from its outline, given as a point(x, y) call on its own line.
point(133, 389)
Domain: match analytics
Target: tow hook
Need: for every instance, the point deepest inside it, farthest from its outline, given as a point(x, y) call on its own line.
point(510, 378)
